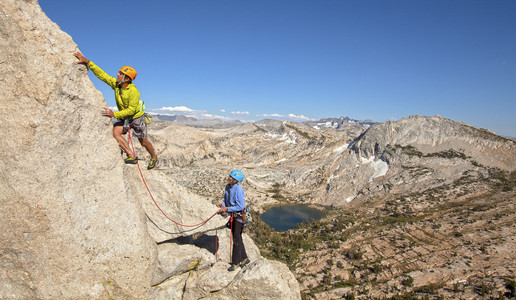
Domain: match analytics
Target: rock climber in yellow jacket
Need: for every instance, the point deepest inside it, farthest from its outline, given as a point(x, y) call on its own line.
point(129, 111)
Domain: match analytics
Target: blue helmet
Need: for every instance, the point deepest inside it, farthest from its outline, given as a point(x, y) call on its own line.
point(237, 175)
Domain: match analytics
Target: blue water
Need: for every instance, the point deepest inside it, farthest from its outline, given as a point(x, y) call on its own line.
point(282, 218)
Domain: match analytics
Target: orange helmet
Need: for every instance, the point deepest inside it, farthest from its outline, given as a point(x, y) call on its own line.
point(129, 71)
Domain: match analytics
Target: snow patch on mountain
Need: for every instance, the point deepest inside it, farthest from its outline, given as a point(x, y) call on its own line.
point(380, 167)
point(325, 125)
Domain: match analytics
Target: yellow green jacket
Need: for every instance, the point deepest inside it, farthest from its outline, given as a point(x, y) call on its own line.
point(128, 102)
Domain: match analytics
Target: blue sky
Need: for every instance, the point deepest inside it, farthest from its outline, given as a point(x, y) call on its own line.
point(300, 60)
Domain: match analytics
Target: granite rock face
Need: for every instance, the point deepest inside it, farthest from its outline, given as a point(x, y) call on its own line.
point(69, 226)
point(75, 222)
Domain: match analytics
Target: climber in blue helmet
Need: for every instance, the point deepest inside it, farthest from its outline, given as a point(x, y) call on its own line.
point(234, 204)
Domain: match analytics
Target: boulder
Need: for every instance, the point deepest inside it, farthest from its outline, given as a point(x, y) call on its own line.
point(260, 279)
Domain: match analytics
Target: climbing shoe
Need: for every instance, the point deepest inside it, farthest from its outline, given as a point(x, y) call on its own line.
point(232, 268)
point(244, 262)
point(152, 164)
point(131, 160)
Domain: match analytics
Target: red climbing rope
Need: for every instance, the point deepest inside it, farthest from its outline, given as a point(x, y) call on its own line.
point(196, 225)
point(231, 241)
point(152, 197)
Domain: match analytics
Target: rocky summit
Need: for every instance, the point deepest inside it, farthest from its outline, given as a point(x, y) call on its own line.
point(422, 207)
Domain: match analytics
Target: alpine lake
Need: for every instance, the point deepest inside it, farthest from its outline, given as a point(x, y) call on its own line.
point(283, 218)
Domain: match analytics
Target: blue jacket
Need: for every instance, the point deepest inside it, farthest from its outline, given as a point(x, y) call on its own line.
point(234, 198)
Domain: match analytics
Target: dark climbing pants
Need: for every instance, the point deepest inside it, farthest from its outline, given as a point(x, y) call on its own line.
point(239, 253)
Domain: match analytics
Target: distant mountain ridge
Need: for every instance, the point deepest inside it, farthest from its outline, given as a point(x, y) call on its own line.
point(200, 123)
point(335, 123)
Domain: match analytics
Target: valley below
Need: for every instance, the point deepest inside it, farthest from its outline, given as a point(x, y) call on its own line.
point(423, 207)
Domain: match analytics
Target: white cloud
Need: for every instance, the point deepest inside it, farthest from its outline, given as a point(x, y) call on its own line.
point(272, 115)
point(176, 108)
point(211, 116)
point(243, 116)
point(246, 113)
point(301, 117)
point(287, 117)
